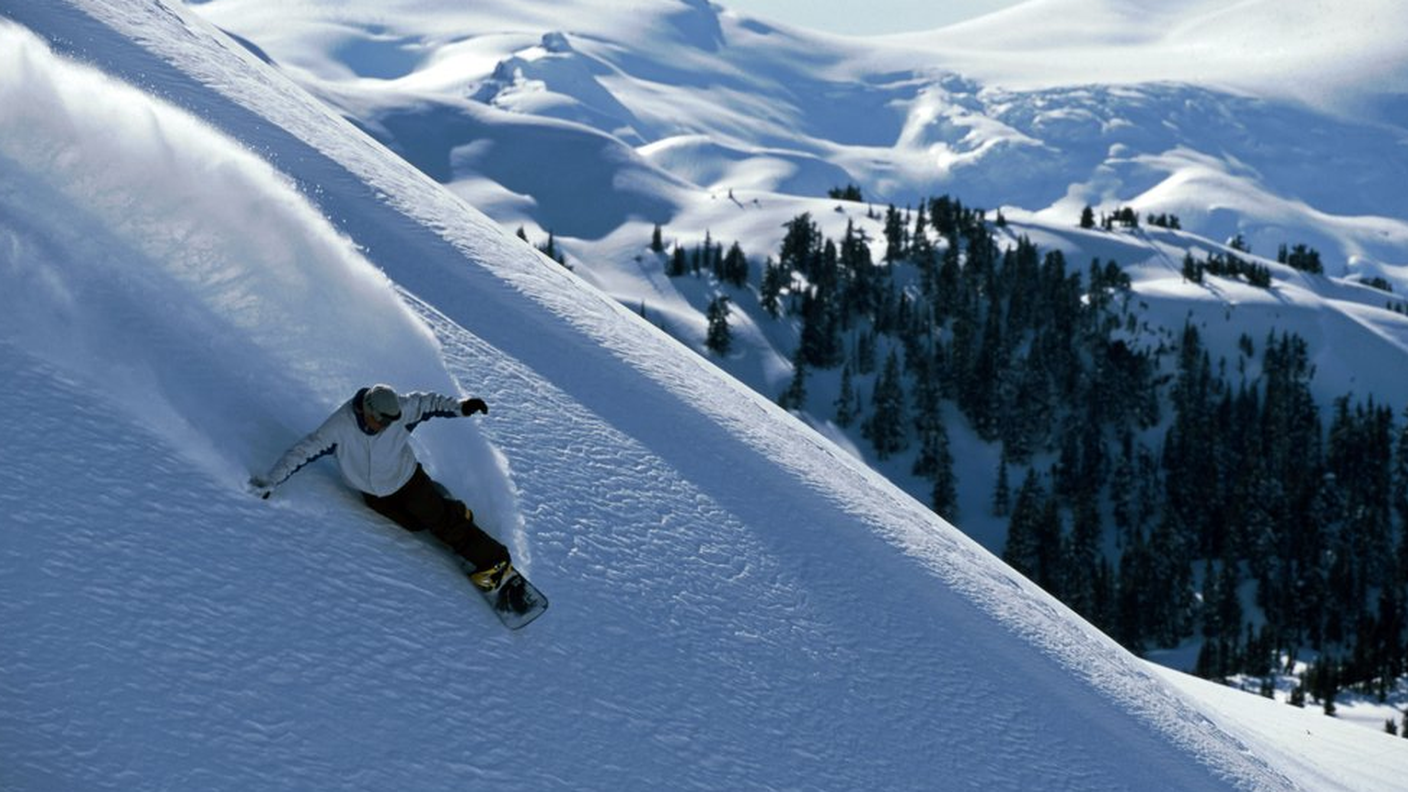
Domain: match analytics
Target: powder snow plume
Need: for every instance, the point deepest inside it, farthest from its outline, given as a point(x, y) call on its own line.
point(270, 310)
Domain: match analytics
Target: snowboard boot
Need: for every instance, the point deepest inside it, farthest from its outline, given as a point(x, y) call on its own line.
point(489, 578)
point(514, 595)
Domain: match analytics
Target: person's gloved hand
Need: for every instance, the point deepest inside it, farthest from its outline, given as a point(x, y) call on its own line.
point(472, 406)
point(260, 487)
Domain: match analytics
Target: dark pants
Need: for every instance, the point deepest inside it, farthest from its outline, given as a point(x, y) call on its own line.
point(421, 505)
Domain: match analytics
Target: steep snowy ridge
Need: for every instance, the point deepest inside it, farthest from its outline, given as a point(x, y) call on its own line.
point(737, 603)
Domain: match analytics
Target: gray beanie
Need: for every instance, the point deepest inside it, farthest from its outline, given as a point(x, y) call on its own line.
point(382, 403)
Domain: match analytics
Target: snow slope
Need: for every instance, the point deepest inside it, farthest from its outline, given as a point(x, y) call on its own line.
point(201, 262)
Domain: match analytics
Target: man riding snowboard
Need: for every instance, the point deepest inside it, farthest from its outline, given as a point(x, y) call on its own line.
point(370, 437)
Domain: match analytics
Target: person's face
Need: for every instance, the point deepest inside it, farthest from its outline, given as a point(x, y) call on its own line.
point(375, 422)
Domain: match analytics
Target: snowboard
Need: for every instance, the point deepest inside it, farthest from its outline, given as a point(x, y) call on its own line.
point(516, 601)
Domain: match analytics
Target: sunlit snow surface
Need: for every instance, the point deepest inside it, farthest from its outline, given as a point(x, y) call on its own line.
point(204, 263)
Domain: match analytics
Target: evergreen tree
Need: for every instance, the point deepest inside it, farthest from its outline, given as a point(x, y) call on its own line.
point(847, 407)
point(1169, 609)
point(1021, 548)
point(943, 497)
point(1080, 566)
point(1134, 595)
point(775, 280)
point(1190, 440)
point(1360, 456)
point(978, 394)
point(1124, 489)
point(1324, 683)
point(861, 295)
point(1050, 549)
point(1222, 618)
point(1002, 494)
point(720, 337)
point(948, 287)
point(821, 330)
point(801, 245)
point(1104, 615)
point(657, 243)
point(550, 249)
point(795, 397)
point(896, 241)
point(886, 426)
point(1192, 269)
point(679, 263)
point(1028, 417)
point(928, 415)
point(865, 355)
point(919, 242)
point(734, 267)
point(850, 192)
point(1301, 257)
point(935, 460)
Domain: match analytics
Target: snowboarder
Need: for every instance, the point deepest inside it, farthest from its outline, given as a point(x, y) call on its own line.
point(370, 437)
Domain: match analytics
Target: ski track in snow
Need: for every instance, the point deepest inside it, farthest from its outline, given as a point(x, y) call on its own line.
point(735, 604)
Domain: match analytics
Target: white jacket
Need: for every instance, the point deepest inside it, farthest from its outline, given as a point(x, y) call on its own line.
point(379, 463)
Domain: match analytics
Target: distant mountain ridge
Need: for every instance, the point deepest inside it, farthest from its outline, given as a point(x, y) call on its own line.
point(1156, 115)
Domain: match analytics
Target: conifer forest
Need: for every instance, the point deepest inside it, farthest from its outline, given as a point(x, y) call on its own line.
point(1164, 490)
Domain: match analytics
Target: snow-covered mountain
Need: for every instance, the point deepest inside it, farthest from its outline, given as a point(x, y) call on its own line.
point(594, 121)
point(593, 124)
point(1227, 117)
point(200, 261)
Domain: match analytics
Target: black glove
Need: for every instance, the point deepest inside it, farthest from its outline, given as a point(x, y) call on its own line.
point(472, 406)
point(260, 487)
